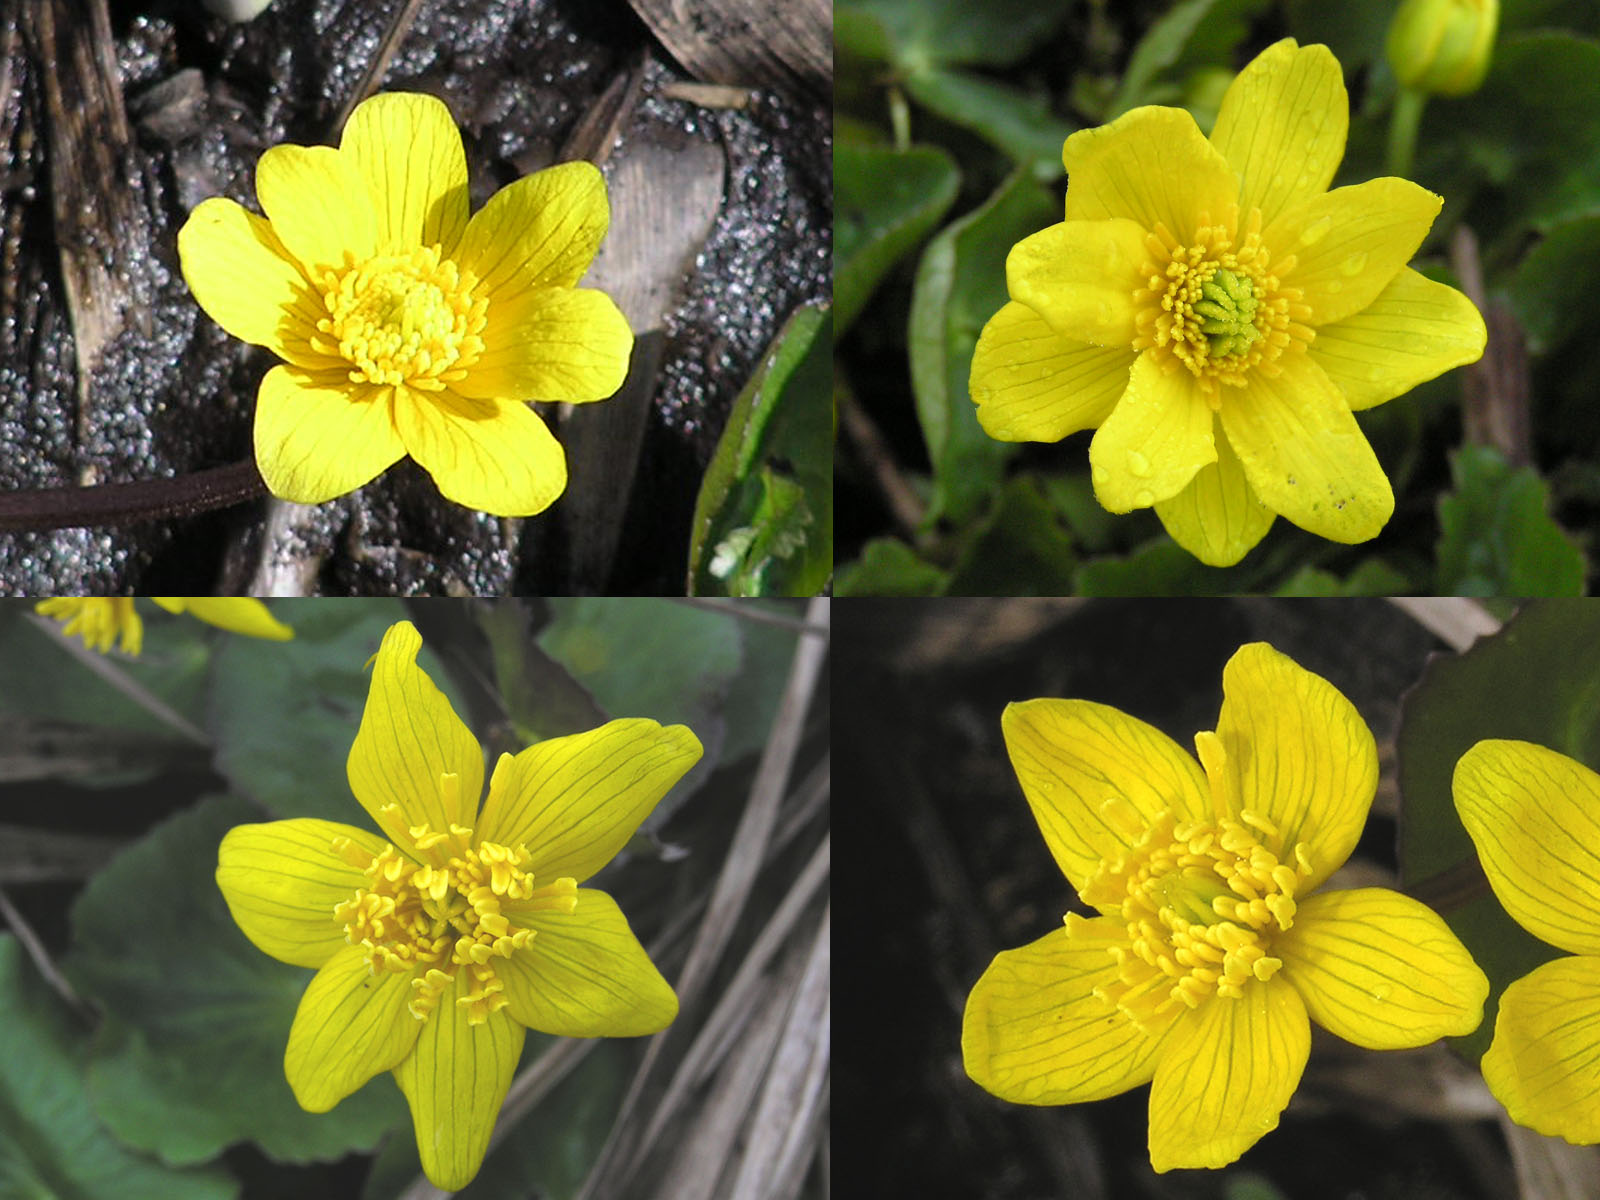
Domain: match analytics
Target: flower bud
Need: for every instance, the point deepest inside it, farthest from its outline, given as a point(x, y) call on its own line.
point(1443, 46)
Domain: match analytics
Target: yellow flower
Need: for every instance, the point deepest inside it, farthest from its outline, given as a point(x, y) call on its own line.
point(436, 943)
point(405, 327)
point(1531, 814)
point(98, 621)
point(1217, 314)
point(1442, 46)
point(101, 621)
point(1208, 950)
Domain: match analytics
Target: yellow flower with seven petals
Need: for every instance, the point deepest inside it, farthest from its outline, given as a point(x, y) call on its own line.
point(1208, 949)
point(101, 621)
point(1217, 315)
point(404, 327)
point(436, 943)
point(1531, 814)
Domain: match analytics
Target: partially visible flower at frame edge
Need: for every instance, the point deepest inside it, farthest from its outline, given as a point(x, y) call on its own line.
point(406, 328)
point(1531, 812)
point(438, 941)
point(1209, 948)
point(1218, 316)
point(101, 621)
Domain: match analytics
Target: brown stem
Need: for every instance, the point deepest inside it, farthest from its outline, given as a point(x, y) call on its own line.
point(126, 503)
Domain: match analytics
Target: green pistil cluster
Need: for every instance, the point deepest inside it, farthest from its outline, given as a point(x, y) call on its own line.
point(1228, 312)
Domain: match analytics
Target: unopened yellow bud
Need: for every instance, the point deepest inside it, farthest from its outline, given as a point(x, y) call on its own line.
point(1443, 47)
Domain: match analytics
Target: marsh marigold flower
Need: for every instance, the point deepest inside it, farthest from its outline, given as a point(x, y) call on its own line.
point(101, 621)
point(1532, 815)
point(438, 941)
point(1209, 945)
point(405, 327)
point(1218, 315)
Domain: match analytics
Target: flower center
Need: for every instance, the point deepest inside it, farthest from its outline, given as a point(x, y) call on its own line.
point(437, 919)
point(1201, 901)
point(1214, 308)
point(402, 318)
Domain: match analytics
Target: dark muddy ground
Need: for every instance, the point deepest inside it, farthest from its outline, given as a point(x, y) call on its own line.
point(111, 133)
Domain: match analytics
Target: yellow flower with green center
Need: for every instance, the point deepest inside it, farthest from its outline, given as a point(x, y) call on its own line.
point(405, 327)
point(1531, 814)
point(1217, 315)
point(101, 621)
point(1210, 944)
point(436, 943)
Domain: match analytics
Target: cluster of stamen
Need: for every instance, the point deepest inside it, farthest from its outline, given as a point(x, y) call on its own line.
point(1200, 902)
point(442, 910)
point(406, 318)
point(1215, 307)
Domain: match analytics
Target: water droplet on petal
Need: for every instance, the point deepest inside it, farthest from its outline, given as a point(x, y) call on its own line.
point(1333, 286)
point(1316, 231)
point(1138, 464)
point(1355, 264)
point(1144, 498)
point(1005, 434)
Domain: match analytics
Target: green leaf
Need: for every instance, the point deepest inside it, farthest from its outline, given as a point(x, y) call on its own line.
point(52, 1145)
point(1194, 33)
point(1017, 122)
point(1552, 291)
point(888, 567)
point(914, 33)
point(194, 1059)
point(285, 713)
point(763, 521)
point(1496, 536)
point(1020, 549)
point(1533, 681)
point(1164, 568)
point(1372, 577)
point(886, 202)
point(961, 283)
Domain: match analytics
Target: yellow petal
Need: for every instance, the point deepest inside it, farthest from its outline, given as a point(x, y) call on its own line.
point(1304, 455)
point(1544, 1062)
point(585, 974)
point(1033, 385)
point(1282, 126)
point(1381, 970)
point(1034, 1032)
point(351, 1024)
point(1415, 329)
point(1150, 165)
point(409, 739)
point(575, 801)
point(282, 880)
point(1217, 518)
point(1071, 756)
point(247, 282)
point(1227, 1075)
point(318, 204)
point(98, 620)
point(1350, 243)
point(541, 231)
point(319, 436)
point(1157, 438)
point(1531, 814)
point(408, 150)
point(1080, 276)
point(567, 344)
point(1298, 754)
point(237, 615)
point(455, 1081)
point(491, 455)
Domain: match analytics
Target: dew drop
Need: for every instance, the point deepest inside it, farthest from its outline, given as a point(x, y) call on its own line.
point(1380, 991)
point(1316, 231)
point(1144, 498)
point(1355, 264)
point(1005, 434)
point(1332, 286)
point(1138, 464)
